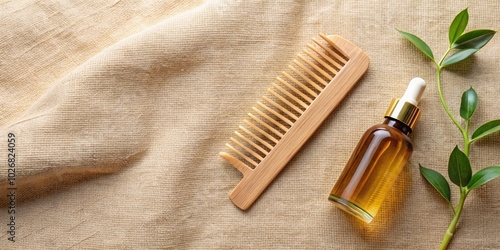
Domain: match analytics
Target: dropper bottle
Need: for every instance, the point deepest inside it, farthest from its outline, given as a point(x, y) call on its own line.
point(379, 157)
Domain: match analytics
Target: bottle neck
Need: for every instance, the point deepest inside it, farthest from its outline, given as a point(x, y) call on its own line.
point(404, 112)
point(397, 125)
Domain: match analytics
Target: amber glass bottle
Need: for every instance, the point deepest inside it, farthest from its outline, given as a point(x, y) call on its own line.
point(379, 157)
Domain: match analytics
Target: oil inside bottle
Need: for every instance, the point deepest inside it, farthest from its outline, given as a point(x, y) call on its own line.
point(371, 171)
point(379, 157)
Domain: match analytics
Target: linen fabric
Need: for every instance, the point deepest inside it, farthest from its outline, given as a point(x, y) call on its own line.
point(119, 110)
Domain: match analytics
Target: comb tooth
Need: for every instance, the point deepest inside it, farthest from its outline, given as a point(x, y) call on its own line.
point(331, 52)
point(242, 155)
point(323, 63)
point(284, 91)
point(284, 110)
point(276, 132)
point(305, 78)
point(262, 150)
point(242, 167)
point(342, 53)
point(314, 66)
point(246, 149)
point(276, 114)
point(310, 72)
point(264, 133)
point(270, 119)
point(248, 132)
point(291, 105)
point(294, 90)
point(325, 56)
point(308, 90)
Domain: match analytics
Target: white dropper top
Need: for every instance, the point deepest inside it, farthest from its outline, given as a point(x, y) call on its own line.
point(414, 92)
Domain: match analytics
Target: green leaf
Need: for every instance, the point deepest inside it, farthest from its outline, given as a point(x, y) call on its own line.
point(468, 104)
point(486, 129)
point(458, 56)
point(475, 39)
point(458, 25)
point(419, 43)
point(484, 175)
point(438, 181)
point(459, 169)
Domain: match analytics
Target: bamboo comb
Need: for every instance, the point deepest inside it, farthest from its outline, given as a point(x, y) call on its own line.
point(291, 111)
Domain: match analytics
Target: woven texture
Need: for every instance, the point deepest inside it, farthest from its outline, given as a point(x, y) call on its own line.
point(120, 108)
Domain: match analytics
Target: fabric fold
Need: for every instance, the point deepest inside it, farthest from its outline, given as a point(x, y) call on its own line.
point(119, 110)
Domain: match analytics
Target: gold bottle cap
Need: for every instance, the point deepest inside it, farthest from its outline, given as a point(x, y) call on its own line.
point(404, 112)
point(405, 109)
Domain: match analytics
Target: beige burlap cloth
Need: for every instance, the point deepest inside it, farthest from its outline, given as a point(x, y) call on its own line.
point(119, 109)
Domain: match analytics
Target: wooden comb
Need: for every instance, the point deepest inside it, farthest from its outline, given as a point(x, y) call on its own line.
point(291, 111)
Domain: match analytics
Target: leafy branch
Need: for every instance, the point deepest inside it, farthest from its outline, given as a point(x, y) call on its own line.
point(461, 46)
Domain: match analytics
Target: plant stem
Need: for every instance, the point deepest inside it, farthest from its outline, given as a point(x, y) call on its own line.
point(443, 102)
point(467, 142)
point(453, 225)
point(464, 131)
point(464, 191)
point(442, 58)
